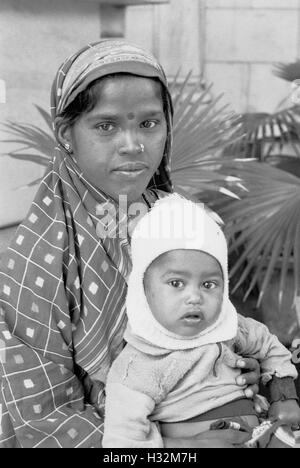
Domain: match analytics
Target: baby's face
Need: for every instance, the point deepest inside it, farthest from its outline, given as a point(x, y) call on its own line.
point(184, 289)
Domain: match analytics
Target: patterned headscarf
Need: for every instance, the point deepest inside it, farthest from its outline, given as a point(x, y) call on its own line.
point(62, 293)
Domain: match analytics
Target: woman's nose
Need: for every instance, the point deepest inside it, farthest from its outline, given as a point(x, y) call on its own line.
point(129, 144)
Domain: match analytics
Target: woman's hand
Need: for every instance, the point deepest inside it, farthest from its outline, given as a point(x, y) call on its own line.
point(249, 378)
point(225, 438)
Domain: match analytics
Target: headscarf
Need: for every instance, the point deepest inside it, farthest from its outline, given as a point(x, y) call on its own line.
point(174, 223)
point(62, 294)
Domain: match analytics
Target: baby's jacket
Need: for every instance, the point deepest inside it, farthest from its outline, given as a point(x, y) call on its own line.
point(147, 384)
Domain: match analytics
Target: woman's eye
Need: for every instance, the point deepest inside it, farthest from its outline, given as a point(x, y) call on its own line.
point(106, 127)
point(209, 285)
point(176, 283)
point(149, 124)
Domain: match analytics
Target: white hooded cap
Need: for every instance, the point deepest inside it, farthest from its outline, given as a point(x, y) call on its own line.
point(175, 223)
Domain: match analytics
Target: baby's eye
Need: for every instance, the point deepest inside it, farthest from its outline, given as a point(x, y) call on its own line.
point(106, 127)
point(209, 285)
point(149, 124)
point(176, 283)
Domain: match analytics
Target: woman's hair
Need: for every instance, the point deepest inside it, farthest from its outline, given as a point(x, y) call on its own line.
point(88, 98)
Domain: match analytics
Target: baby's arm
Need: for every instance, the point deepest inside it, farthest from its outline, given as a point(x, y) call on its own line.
point(254, 339)
point(127, 422)
point(278, 372)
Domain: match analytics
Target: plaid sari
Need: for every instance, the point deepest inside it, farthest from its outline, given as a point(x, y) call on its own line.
point(62, 289)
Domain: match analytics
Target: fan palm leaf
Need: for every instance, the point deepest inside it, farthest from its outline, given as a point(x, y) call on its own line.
point(262, 133)
point(264, 227)
point(37, 145)
point(288, 71)
point(201, 129)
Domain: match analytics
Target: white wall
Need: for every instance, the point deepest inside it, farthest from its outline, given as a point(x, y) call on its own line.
point(171, 31)
point(243, 40)
point(235, 43)
point(35, 37)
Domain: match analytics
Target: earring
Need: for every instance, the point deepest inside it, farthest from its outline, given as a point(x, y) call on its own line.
point(68, 147)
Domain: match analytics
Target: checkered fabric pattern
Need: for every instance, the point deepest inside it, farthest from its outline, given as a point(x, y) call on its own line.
point(62, 294)
point(62, 289)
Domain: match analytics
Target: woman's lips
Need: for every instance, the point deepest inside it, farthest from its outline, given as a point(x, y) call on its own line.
point(131, 170)
point(130, 173)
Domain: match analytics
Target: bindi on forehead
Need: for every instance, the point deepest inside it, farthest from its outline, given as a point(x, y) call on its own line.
point(130, 116)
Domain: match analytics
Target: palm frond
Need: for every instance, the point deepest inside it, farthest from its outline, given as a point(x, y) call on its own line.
point(46, 116)
point(201, 129)
point(264, 226)
point(35, 158)
point(262, 134)
point(287, 71)
point(37, 143)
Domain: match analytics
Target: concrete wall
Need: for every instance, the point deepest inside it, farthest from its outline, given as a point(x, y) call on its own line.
point(35, 37)
point(243, 39)
point(171, 31)
point(234, 43)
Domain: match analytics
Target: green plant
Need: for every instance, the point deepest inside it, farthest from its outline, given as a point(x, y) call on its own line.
point(288, 71)
point(37, 145)
point(263, 135)
point(267, 134)
point(201, 130)
point(264, 227)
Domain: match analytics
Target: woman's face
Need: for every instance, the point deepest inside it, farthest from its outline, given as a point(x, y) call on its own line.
point(120, 143)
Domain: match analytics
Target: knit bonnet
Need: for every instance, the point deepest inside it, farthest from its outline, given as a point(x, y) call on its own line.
point(175, 223)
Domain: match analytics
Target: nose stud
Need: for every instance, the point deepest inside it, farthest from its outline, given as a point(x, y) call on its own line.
point(142, 147)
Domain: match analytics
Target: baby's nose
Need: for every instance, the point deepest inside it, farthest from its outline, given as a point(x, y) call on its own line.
point(194, 296)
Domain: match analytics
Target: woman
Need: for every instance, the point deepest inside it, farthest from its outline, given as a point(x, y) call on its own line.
point(63, 282)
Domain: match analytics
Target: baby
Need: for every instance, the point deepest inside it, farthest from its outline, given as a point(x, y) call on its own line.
point(177, 373)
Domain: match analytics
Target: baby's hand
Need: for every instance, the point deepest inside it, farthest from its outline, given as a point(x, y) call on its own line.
point(286, 411)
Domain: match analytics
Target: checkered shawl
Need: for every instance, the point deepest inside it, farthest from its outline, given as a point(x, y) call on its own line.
point(62, 316)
